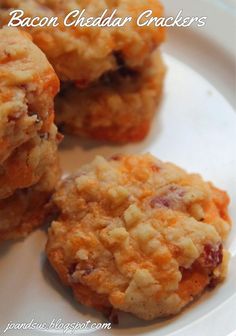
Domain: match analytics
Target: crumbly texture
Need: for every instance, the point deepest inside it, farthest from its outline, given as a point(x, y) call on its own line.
point(28, 208)
point(83, 54)
point(29, 167)
point(112, 83)
point(118, 108)
point(27, 88)
point(28, 163)
point(138, 235)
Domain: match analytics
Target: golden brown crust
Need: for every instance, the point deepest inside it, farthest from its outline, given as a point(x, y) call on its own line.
point(28, 208)
point(27, 88)
point(118, 108)
point(84, 54)
point(121, 111)
point(136, 234)
point(27, 163)
point(29, 167)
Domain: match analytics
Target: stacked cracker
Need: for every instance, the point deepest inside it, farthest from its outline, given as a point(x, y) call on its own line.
point(112, 77)
point(139, 235)
point(29, 167)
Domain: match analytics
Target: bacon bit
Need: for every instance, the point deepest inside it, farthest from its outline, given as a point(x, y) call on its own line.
point(155, 168)
point(171, 199)
point(213, 283)
point(160, 202)
point(72, 268)
point(213, 255)
point(116, 157)
point(14, 117)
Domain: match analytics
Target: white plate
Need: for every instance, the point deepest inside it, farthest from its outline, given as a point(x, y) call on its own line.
point(195, 128)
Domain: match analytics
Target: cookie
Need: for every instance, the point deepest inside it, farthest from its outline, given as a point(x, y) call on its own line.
point(28, 136)
point(27, 89)
point(29, 166)
point(109, 89)
point(118, 108)
point(84, 54)
point(28, 208)
point(138, 235)
point(28, 163)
